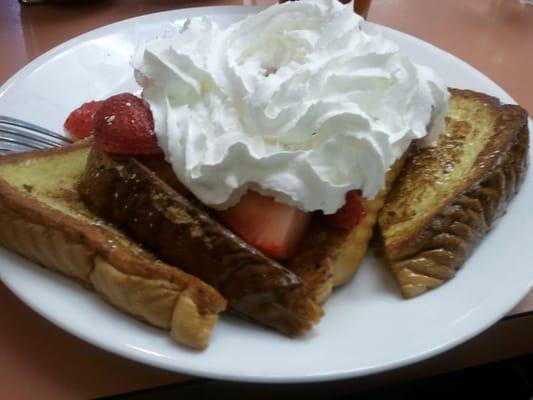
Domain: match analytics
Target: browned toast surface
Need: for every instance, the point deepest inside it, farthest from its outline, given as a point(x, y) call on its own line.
point(329, 257)
point(448, 196)
point(42, 218)
point(124, 191)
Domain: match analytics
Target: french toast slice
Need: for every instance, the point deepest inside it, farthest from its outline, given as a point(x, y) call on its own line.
point(329, 257)
point(43, 219)
point(182, 232)
point(448, 196)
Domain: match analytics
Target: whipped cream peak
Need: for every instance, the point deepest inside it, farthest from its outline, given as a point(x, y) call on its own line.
point(296, 102)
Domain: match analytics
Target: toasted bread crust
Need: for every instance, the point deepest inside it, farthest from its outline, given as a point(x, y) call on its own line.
point(183, 233)
point(69, 239)
point(329, 257)
point(426, 245)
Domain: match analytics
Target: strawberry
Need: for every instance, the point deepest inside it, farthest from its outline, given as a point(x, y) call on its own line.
point(124, 125)
point(80, 123)
point(271, 227)
point(350, 214)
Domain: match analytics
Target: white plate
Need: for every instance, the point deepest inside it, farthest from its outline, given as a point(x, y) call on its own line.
point(367, 327)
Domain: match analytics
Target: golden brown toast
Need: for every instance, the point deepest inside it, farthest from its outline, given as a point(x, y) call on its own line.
point(43, 219)
point(448, 196)
point(182, 232)
point(329, 257)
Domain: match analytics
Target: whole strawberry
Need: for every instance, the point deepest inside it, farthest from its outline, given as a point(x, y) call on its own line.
point(80, 122)
point(124, 125)
point(350, 214)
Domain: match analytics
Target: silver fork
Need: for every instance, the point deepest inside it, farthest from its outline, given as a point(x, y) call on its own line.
point(19, 136)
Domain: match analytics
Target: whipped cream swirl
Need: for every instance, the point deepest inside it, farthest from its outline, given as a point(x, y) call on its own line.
point(296, 102)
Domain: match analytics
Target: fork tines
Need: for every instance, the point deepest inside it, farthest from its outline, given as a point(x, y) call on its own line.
point(17, 135)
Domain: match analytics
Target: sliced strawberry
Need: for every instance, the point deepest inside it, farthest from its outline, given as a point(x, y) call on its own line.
point(350, 214)
point(271, 227)
point(80, 123)
point(124, 125)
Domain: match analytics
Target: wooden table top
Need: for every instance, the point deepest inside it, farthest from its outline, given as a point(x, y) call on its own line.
point(40, 360)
